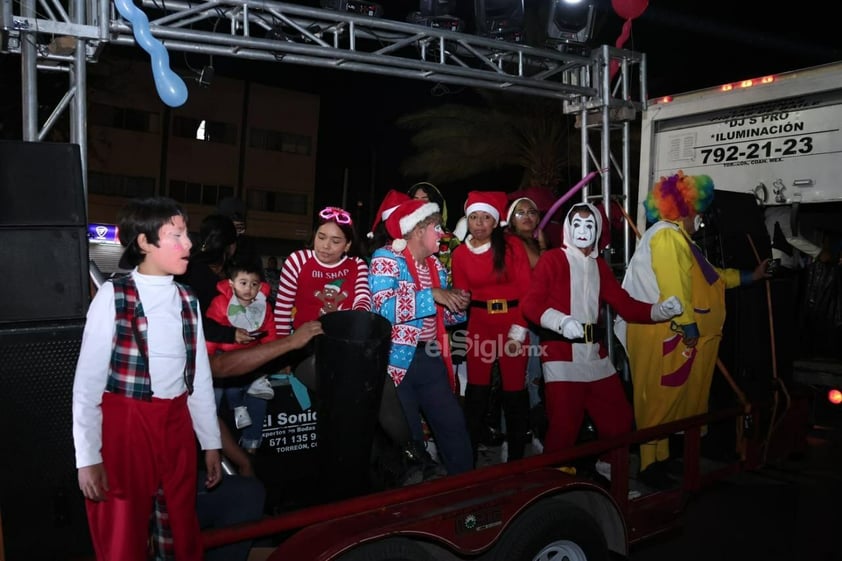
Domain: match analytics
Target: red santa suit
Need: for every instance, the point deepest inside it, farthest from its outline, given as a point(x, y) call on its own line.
point(488, 331)
point(578, 375)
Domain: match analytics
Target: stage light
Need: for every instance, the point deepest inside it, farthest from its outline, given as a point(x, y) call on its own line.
point(834, 396)
point(360, 7)
point(570, 21)
point(500, 19)
point(435, 8)
point(438, 14)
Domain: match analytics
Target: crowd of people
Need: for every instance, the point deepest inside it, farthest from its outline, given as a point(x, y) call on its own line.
point(198, 328)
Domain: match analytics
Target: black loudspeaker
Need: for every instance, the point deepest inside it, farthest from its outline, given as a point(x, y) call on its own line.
point(41, 185)
point(734, 229)
point(43, 233)
point(43, 509)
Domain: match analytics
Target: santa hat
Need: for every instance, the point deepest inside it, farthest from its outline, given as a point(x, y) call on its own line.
point(515, 203)
point(492, 202)
point(406, 217)
point(390, 203)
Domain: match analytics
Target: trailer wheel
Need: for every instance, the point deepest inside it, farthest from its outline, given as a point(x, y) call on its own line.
point(393, 549)
point(550, 531)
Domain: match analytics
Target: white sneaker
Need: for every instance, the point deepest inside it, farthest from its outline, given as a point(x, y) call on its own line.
point(537, 445)
point(432, 450)
point(242, 419)
point(603, 469)
point(261, 388)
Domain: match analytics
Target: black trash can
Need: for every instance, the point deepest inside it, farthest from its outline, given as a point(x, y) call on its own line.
point(351, 361)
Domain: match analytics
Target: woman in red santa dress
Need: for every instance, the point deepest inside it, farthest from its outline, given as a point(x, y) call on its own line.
point(493, 265)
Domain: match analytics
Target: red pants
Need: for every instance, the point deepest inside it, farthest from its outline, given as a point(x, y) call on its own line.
point(145, 445)
point(487, 334)
point(604, 400)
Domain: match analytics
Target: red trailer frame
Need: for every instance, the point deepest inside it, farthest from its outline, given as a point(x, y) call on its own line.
point(471, 514)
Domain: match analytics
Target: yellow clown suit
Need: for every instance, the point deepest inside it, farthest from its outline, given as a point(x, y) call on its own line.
point(672, 363)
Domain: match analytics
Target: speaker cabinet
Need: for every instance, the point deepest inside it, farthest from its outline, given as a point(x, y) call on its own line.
point(43, 509)
point(43, 233)
point(734, 230)
point(41, 184)
point(45, 274)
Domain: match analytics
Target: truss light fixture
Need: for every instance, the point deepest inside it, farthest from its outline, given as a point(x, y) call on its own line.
point(500, 19)
point(438, 14)
point(370, 9)
point(570, 21)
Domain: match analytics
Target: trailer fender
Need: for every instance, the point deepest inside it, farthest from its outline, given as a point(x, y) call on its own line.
point(462, 522)
point(552, 529)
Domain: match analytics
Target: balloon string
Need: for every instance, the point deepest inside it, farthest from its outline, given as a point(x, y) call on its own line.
point(563, 199)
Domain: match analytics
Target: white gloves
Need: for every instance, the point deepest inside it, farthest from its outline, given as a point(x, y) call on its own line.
point(667, 309)
point(571, 329)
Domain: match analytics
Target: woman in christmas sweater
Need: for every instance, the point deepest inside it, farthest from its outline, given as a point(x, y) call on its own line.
point(494, 267)
point(569, 288)
point(324, 279)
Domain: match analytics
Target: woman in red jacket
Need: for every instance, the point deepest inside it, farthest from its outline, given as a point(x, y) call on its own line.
point(494, 267)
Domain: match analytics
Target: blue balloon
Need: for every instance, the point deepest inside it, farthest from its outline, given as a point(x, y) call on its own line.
point(171, 88)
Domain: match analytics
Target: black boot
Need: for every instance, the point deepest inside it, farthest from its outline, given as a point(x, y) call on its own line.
point(516, 409)
point(492, 430)
point(418, 463)
point(476, 405)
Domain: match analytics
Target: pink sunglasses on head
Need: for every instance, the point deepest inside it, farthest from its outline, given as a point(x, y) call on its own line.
point(335, 213)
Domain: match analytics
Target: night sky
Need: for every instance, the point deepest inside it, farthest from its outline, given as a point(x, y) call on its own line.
point(689, 45)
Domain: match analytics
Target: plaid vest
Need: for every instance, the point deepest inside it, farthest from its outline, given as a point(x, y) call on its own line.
point(129, 374)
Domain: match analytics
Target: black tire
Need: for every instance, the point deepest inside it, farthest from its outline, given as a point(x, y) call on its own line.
point(392, 549)
point(552, 530)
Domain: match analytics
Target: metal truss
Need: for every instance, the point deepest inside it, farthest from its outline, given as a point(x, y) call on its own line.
point(605, 89)
point(274, 31)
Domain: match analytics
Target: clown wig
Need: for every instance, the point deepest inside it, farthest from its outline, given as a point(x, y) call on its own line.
point(678, 196)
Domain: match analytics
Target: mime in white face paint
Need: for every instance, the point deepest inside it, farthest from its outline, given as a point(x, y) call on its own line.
point(583, 225)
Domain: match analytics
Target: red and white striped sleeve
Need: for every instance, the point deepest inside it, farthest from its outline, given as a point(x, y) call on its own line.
point(362, 292)
point(287, 288)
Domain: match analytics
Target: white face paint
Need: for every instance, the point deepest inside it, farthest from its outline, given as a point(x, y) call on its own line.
point(584, 231)
point(697, 222)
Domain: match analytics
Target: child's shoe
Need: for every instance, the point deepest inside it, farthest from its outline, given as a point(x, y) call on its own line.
point(242, 419)
point(261, 388)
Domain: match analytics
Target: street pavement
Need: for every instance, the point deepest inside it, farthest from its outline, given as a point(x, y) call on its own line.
point(790, 510)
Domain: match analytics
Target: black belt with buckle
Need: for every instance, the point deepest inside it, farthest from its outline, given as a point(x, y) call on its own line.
point(593, 334)
point(494, 306)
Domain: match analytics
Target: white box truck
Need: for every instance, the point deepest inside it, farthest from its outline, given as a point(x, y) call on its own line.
point(778, 138)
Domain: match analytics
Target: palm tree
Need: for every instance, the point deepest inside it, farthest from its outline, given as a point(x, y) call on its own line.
point(454, 142)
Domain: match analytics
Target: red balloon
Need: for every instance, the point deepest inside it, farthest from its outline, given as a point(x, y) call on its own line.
point(629, 9)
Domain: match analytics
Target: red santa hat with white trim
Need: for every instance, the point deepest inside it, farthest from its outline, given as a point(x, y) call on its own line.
point(492, 202)
point(406, 217)
point(390, 202)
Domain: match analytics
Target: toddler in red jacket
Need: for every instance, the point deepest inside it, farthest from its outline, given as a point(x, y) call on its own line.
point(243, 303)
